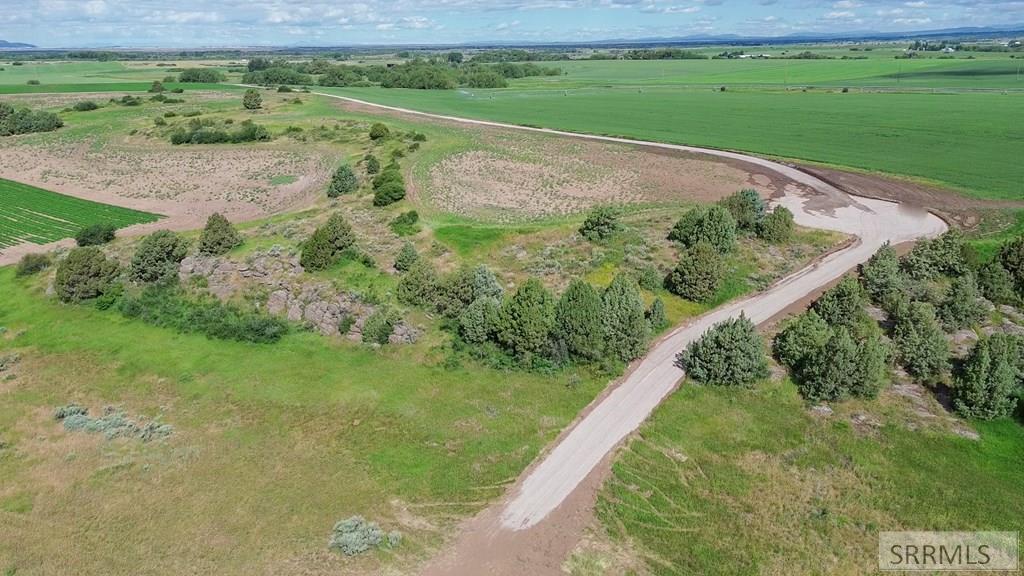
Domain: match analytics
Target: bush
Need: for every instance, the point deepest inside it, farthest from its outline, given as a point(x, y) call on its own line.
point(200, 75)
point(166, 307)
point(157, 257)
point(486, 284)
point(777, 227)
point(714, 225)
point(800, 339)
point(32, 264)
point(842, 305)
point(698, 274)
point(657, 320)
point(747, 209)
point(85, 273)
point(343, 181)
point(986, 385)
point(284, 89)
point(941, 256)
point(379, 131)
point(325, 247)
point(379, 326)
point(625, 324)
point(579, 321)
point(730, 353)
point(156, 88)
point(881, 277)
point(419, 285)
point(919, 340)
point(455, 292)
point(372, 164)
point(602, 223)
point(219, 236)
point(85, 106)
point(1011, 256)
point(406, 258)
point(526, 318)
point(997, 284)
point(962, 306)
point(389, 193)
point(24, 121)
point(252, 100)
point(843, 367)
point(355, 536)
point(405, 224)
point(95, 235)
point(479, 321)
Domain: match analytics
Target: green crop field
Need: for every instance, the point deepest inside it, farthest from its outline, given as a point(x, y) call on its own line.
point(964, 141)
point(30, 214)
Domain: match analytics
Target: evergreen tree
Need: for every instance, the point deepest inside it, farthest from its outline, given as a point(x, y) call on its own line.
point(252, 99)
point(579, 321)
point(919, 340)
point(997, 284)
point(801, 338)
point(747, 208)
point(730, 353)
point(842, 305)
point(962, 306)
point(777, 227)
point(218, 237)
point(713, 224)
point(657, 320)
point(479, 320)
point(486, 284)
point(325, 247)
point(157, 257)
point(419, 285)
point(407, 256)
point(602, 223)
point(829, 374)
point(83, 274)
point(526, 318)
point(343, 181)
point(625, 326)
point(698, 274)
point(881, 276)
point(1011, 256)
point(985, 387)
point(372, 164)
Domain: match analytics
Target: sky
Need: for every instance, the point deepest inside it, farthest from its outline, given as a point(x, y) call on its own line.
point(200, 23)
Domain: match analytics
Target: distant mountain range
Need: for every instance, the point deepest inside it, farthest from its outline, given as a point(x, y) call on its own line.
point(5, 45)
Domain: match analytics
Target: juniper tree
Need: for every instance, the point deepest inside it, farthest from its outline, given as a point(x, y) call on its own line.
point(730, 353)
point(407, 256)
point(747, 208)
point(602, 223)
point(479, 321)
point(219, 236)
point(920, 343)
point(777, 227)
point(526, 318)
point(625, 326)
point(985, 386)
point(252, 99)
point(579, 321)
point(881, 276)
point(157, 257)
point(962, 305)
point(712, 224)
point(842, 305)
point(343, 181)
point(83, 274)
point(325, 246)
point(657, 320)
point(698, 274)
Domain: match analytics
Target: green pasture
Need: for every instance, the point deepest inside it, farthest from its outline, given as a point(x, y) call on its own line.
point(969, 142)
point(30, 214)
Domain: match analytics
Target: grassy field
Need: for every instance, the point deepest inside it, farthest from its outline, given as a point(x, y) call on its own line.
point(970, 149)
point(747, 482)
point(30, 214)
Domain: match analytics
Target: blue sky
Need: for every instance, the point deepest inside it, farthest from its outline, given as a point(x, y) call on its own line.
point(78, 23)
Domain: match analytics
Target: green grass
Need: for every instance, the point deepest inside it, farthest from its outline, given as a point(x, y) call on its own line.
point(30, 214)
point(272, 443)
point(973, 147)
point(746, 482)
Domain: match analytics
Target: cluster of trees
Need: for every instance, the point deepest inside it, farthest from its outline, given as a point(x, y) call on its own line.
point(147, 288)
point(708, 233)
point(201, 76)
point(663, 54)
point(389, 185)
point(532, 325)
point(277, 76)
point(204, 132)
point(25, 121)
point(517, 55)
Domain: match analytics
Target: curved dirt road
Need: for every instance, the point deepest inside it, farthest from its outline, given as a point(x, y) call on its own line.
point(552, 480)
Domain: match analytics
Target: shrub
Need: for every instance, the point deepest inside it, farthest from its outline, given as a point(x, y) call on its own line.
point(406, 258)
point(455, 292)
point(372, 164)
point(525, 319)
point(1011, 256)
point(602, 223)
point(200, 75)
point(166, 307)
point(486, 284)
point(159, 121)
point(343, 181)
point(24, 121)
point(85, 273)
point(419, 285)
point(379, 131)
point(479, 321)
point(747, 209)
point(405, 224)
point(919, 340)
point(698, 274)
point(941, 256)
point(625, 325)
point(649, 278)
point(379, 326)
point(252, 100)
point(730, 353)
point(388, 193)
point(355, 536)
point(985, 386)
point(219, 236)
point(657, 320)
point(157, 87)
point(579, 321)
point(713, 224)
point(776, 227)
point(997, 284)
point(85, 106)
point(800, 339)
point(32, 264)
point(962, 305)
point(325, 247)
point(284, 89)
point(95, 234)
point(842, 305)
point(881, 277)
point(157, 257)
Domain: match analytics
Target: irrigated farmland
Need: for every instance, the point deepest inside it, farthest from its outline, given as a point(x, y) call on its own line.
point(29, 214)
